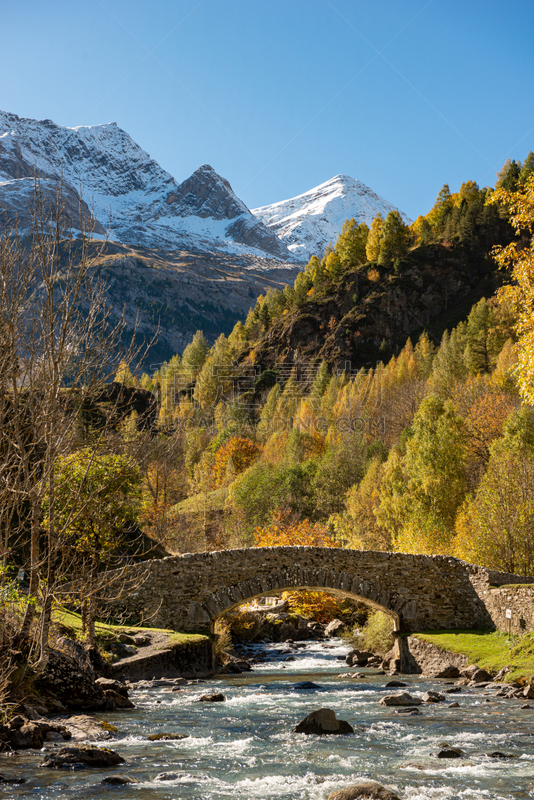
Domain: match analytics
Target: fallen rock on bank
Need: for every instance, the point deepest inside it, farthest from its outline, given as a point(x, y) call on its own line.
point(23, 734)
point(323, 722)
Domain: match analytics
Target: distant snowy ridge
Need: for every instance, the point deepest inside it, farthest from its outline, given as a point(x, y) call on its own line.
point(307, 223)
point(143, 205)
point(128, 190)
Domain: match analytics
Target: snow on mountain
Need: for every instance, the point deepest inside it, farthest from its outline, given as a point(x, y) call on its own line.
point(128, 191)
point(307, 223)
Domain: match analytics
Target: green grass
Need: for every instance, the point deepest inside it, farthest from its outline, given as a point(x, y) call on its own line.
point(214, 501)
point(491, 651)
point(73, 621)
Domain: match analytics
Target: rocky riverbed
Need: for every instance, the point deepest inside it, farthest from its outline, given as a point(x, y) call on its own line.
point(444, 741)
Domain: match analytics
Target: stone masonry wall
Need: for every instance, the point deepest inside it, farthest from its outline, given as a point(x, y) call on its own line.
point(189, 592)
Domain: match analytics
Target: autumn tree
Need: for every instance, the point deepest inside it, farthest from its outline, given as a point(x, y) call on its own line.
point(97, 497)
point(496, 527)
point(518, 256)
point(351, 243)
point(422, 489)
point(372, 247)
point(236, 455)
point(394, 238)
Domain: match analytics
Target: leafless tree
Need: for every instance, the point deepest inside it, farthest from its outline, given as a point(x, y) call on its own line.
point(59, 344)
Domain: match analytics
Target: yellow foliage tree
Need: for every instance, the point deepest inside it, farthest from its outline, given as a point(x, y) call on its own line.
point(519, 256)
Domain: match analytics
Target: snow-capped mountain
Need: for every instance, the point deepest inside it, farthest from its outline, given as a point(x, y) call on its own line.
point(307, 223)
point(128, 191)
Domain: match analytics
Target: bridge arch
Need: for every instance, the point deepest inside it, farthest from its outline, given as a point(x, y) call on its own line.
point(340, 584)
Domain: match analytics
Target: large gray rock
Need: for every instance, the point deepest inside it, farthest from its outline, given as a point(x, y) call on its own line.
point(402, 699)
point(474, 673)
point(67, 680)
point(82, 727)
point(433, 697)
point(370, 790)
point(323, 722)
point(68, 757)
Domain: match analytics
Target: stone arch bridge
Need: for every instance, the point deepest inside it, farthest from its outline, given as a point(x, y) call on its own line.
point(189, 592)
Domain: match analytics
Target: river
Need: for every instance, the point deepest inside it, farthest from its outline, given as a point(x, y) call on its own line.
point(243, 749)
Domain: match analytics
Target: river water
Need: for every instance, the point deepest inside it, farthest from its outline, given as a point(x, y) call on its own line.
point(243, 749)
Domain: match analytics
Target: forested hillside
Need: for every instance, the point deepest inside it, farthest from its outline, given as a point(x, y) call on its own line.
point(321, 417)
point(384, 401)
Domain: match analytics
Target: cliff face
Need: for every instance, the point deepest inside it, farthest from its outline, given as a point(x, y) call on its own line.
point(369, 315)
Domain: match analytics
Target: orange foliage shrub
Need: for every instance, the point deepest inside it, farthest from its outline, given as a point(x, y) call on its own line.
point(315, 605)
point(283, 533)
point(238, 450)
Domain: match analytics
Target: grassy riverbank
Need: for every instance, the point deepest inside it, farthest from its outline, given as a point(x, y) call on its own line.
point(105, 631)
point(491, 651)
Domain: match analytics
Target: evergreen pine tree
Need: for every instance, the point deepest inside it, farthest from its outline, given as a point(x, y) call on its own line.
point(508, 176)
point(479, 354)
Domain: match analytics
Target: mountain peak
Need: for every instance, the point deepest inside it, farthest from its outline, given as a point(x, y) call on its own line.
point(207, 194)
point(306, 224)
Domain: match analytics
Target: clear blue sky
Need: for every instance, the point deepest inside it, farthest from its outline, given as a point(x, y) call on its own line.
point(281, 95)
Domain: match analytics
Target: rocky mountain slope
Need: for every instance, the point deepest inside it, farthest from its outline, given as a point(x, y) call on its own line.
point(307, 223)
point(127, 191)
point(171, 295)
point(370, 314)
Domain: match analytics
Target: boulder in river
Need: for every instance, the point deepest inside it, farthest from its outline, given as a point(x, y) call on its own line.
point(212, 698)
point(305, 686)
point(402, 699)
point(82, 727)
point(168, 776)
point(14, 781)
point(323, 722)
point(500, 756)
point(156, 737)
point(358, 658)
point(71, 757)
point(433, 697)
point(450, 752)
point(408, 711)
point(370, 790)
point(117, 780)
